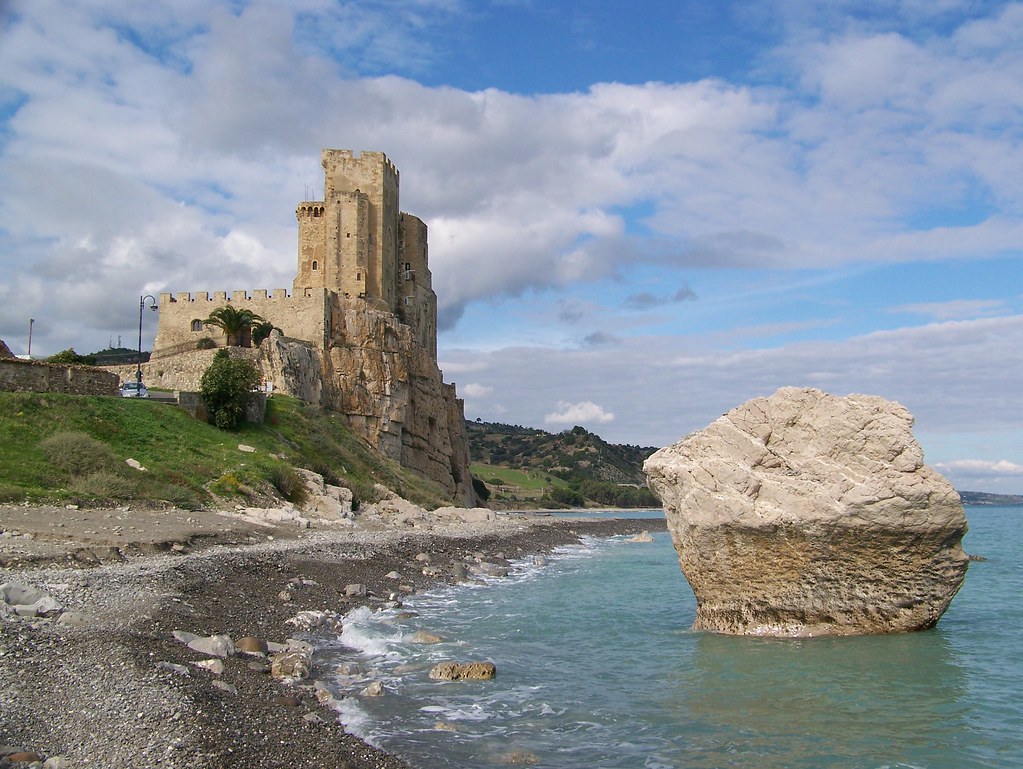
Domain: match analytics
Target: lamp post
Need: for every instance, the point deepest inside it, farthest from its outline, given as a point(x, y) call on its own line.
point(31, 322)
point(142, 305)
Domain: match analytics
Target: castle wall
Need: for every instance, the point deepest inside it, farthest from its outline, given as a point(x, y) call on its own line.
point(418, 303)
point(38, 376)
point(299, 315)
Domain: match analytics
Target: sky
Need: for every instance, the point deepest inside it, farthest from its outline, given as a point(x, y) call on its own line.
point(642, 214)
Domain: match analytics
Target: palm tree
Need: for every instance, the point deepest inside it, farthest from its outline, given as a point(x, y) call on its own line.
point(236, 324)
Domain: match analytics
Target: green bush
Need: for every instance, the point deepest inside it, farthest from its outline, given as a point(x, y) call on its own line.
point(104, 484)
point(179, 496)
point(288, 482)
point(10, 493)
point(226, 388)
point(205, 343)
point(78, 454)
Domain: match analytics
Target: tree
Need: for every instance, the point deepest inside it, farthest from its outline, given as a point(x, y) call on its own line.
point(226, 388)
point(69, 356)
point(261, 331)
point(236, 324)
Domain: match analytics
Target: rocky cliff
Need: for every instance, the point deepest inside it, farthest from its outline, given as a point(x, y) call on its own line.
point(388, 386)
point(807, 514)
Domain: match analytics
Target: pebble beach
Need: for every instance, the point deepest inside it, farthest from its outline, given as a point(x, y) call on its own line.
point(107, 679)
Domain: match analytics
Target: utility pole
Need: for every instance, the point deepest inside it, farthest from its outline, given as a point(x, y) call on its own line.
point(31, 322)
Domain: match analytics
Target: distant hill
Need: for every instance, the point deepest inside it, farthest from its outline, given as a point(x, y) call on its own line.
point(983, 498)
point(570, 468)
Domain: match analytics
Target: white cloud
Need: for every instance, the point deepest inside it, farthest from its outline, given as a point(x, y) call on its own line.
point(475, 390)
point(980, 467)
point(584, 412)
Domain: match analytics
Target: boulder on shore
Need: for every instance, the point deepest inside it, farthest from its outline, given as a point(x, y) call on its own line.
point(806, 514)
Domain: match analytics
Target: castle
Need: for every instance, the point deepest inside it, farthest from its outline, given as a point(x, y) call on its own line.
point(358, 329)
point(353, 244)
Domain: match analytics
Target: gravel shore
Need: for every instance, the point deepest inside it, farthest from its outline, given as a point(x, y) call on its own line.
point(104, 682)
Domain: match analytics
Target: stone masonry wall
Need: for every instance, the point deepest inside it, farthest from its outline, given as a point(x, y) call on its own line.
point(36, 376)
point(298, 315)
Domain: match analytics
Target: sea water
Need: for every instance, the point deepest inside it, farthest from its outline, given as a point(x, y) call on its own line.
point(597, 667)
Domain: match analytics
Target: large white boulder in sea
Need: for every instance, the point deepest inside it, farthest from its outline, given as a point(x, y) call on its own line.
point(806, 514)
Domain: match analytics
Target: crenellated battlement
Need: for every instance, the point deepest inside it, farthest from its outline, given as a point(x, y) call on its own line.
point(220, 297)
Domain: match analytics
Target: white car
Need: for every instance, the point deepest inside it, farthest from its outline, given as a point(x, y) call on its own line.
point(134, 390)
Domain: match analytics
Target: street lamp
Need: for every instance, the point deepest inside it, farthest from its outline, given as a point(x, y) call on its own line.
point(142, 304)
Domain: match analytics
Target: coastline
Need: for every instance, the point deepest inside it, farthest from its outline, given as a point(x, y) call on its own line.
point(107, 684)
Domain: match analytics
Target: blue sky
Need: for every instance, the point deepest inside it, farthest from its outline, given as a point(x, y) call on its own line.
point(641, 214)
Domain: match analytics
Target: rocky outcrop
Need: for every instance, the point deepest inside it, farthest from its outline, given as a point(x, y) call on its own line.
point(291, 366)
point(5, 351)
point(394, 395)
point(806, 514)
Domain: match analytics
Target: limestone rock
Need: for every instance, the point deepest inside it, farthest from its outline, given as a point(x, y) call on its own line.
point(27, 601)
point(217, 645)
point(294, 662)
point(806, 514)
point(291, 366)
point(454, 671)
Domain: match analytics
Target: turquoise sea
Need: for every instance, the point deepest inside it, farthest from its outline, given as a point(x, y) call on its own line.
point(597, 667)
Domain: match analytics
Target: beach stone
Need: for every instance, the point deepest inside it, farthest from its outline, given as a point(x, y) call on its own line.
point(454, 671)
point(217, 645)
point(806, 514)
point(250, 645)
point(643, 536)
point(23, 757)
point(72, 619)
point(425, 637)
point(26, 601)
point(225, 687)
point(215, 666)
point(375, 689)
point(355, 591)
point(294, 662)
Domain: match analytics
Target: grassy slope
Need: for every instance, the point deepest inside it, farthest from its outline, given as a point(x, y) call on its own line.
point(180, 450)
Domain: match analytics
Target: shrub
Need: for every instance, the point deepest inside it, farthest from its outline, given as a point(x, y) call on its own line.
point(9, 493)
point(330, 476)
point(205, 343)
point(288, 483)
point(78, 454)
point(104, 484)
point(226, 387)
point(179, 496)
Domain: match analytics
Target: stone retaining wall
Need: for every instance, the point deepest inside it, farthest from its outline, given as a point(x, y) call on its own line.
point(38, 376)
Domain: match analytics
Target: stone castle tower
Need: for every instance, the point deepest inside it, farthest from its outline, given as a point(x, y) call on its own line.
point(357, 242)
point(359, 327)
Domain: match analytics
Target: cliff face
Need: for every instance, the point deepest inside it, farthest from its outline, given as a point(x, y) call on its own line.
point(375, 372)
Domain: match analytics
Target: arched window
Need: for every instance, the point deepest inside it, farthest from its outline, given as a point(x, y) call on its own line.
point(358, 276)
point(314, 264)
point(196, 325)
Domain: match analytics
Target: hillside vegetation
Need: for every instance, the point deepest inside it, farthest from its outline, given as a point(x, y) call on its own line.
point(527, 467)
point(72, 449)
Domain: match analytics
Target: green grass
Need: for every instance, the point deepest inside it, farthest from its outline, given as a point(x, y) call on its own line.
point(183, 453)
point(526, 482)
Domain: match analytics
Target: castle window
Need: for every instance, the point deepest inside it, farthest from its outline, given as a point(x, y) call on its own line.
point(315, 265)
point(196, 325)
point(358, 276)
